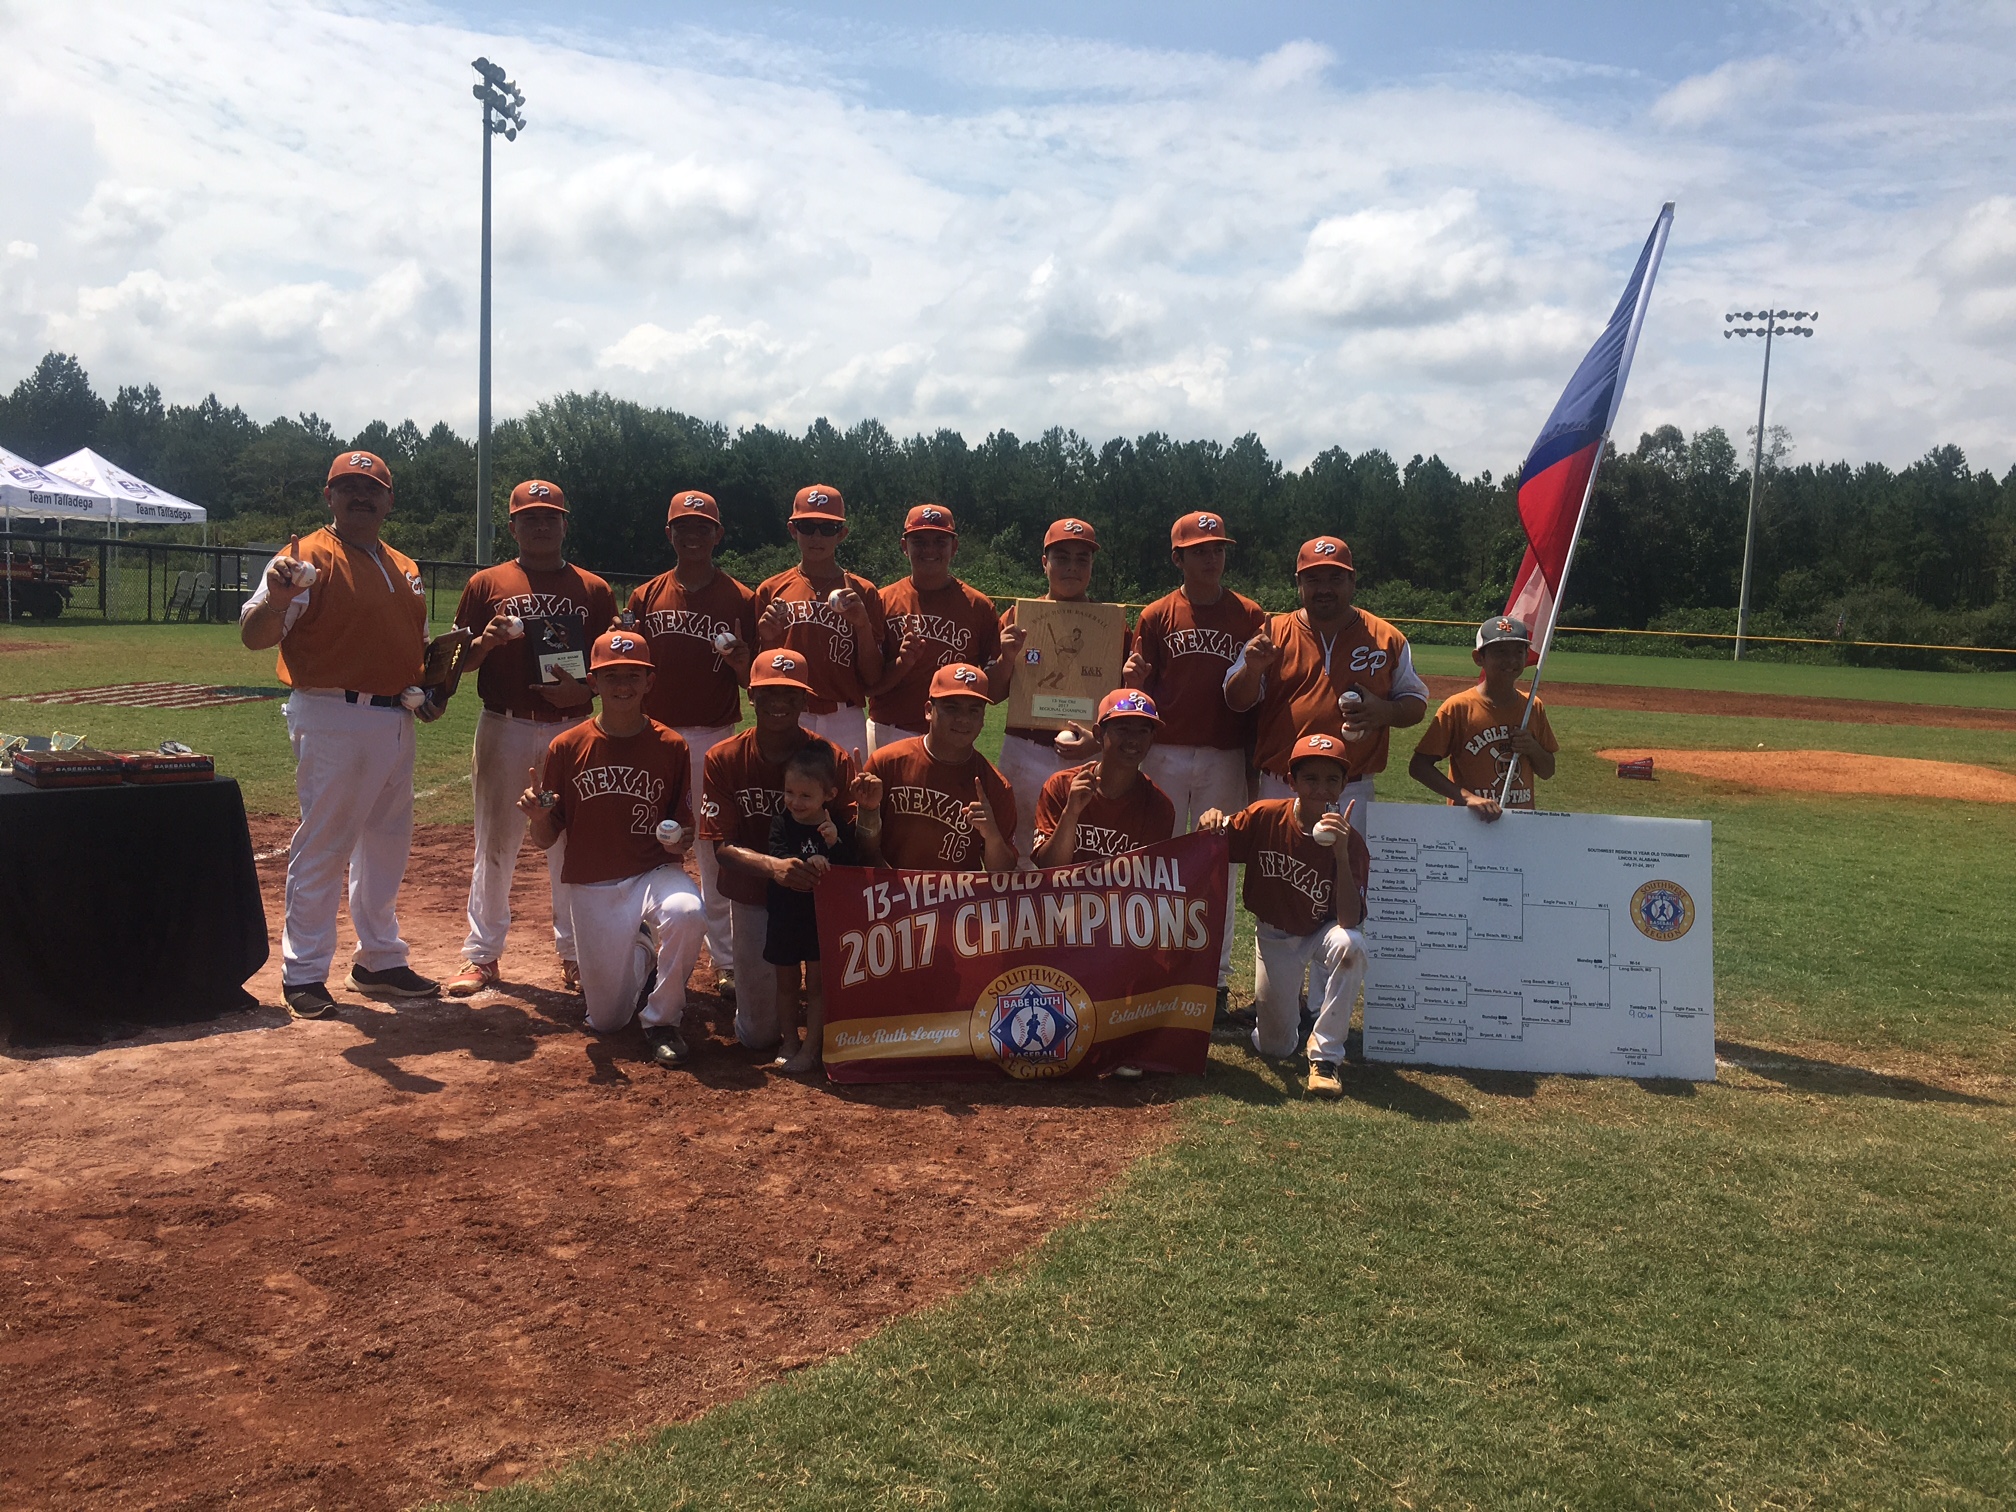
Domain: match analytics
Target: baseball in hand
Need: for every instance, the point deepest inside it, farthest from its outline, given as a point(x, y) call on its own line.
point(724, 642)
point(1324, 836)
point(301, 574)
point(412, 698)
point(514, 626)
point(670, 832)
point(837, 597)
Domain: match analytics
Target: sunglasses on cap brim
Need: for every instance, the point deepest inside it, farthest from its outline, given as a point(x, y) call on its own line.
point(817, 527)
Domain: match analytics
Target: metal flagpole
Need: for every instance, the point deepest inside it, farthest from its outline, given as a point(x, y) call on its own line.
point(1664, 228)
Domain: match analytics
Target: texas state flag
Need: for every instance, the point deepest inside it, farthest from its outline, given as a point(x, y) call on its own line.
point(1554, 484)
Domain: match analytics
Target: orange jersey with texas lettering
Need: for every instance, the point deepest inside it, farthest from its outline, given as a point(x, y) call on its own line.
point(954, 624)
point(1191, 647)
point(821, 634)
point(1475, 735)
point(1107, 826)
point(693, 685)
point(1290, 879)
point(365, 625)
point(741, 793)
point(613, 791)
point(924, 807)
point(1302, 688)
point(565, 593)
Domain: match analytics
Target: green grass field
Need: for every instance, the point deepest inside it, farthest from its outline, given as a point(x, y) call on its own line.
point(1791, 1288)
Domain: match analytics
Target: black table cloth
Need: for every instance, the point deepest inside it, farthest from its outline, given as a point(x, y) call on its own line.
point(124, 905)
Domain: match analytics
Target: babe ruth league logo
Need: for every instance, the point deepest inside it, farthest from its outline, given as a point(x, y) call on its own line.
point(1033, 1021)
point(1662, 911)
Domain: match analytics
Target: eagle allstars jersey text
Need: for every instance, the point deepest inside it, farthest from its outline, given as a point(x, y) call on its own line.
point(1476, 737)
point(1290, 879)
point(612, 791)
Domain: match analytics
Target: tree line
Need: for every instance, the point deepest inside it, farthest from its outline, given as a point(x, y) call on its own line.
point(1926, 553)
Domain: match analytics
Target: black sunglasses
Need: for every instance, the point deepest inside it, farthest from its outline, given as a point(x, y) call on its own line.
point(817, 527)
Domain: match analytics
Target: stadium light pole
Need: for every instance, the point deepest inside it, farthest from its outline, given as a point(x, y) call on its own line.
point(1771, 327)
point(503, 114)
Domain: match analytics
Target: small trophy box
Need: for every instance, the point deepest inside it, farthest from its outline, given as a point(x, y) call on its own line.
point(553, 646)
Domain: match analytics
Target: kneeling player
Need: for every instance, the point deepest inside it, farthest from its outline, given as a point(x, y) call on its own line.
point(1306, 873)
point(617, 787)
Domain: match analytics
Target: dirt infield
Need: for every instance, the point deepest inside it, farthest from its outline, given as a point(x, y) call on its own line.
point(1834, 772)
point(1570, 695)
point(393, 1255)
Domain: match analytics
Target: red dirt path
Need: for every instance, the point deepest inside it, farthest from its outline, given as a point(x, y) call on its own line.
point(1834, 772)
point(1569, 695)
point(385, 1257)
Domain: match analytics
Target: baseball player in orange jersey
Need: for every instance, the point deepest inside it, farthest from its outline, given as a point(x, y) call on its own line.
point(616, 786)
point(1307, 868)
point(934, 620)
point(1030, 756)
point(701, 626)
point(937, 803)
point(1184, 644)
point(520, 717)
point(349, 615)
point(1479, 731)
point(831, 618)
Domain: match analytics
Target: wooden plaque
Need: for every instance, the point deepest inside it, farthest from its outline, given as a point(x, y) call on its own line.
point(1070, 661)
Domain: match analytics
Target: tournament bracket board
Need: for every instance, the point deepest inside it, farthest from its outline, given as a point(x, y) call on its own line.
point(1578, 943)
point(1070, 971)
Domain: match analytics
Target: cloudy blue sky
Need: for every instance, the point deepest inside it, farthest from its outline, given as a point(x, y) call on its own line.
point(1330, 224)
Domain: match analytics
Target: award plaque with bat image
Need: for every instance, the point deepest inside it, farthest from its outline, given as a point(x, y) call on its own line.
point(1070, 659)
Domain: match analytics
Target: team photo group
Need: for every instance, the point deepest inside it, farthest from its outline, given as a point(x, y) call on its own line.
point(612, 738)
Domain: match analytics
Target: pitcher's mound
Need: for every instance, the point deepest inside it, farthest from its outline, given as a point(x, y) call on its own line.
point(1835, 772)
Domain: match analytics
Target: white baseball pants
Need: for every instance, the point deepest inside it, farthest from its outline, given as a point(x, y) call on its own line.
point(1360, 791)
point(353, 773)
point(756, 1024)
point(506, 752)
point(847, 728)
point(880, 735)
point(625, 927)
point(1199, 778)
point(700, 739)
point(1333, 958)
point(1025, 765)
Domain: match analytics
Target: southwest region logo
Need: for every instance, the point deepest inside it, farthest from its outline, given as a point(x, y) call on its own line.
point(1033, 1022)
point(1662, 911)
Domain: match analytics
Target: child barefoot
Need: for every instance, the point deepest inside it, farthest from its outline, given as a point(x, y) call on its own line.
point(807, 837)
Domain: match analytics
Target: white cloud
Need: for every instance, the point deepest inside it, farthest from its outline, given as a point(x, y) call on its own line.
point(1104, 237)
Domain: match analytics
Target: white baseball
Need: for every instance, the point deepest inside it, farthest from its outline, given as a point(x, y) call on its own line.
point(513, 626)
point(724, 642)
point(837, 597)
point(412, 698)
point(301, 574)
point(670, 831)
point(1324, 836)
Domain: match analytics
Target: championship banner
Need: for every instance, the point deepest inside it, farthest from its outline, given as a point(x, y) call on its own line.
point(937, 976)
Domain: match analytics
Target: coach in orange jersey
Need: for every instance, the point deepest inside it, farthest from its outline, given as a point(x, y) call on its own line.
point(1184, 645)
point(830, 617)
point(520, 717)
point(349, 615)
point(1328, 668)
point(742, 791)
point(942, 805)
point(934, 621)
point(701, 625)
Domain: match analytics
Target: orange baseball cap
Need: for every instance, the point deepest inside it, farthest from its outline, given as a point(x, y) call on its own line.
point(1127, 703)
point(1070, 530)
point(537, 493)
point(360, 464)
point(929, 517)
point(1324, 551)
point(1329, 747)
point(1196, 529)
point(779, 669)
point(819, 499)
point(959, 680)
point(620, 648)
point(685, 506)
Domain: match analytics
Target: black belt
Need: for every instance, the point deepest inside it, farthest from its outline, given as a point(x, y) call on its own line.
point(537, 716)
point(376, 700)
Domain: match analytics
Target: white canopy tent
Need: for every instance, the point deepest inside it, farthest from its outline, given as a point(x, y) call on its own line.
point(134, 500)
point(35, 493)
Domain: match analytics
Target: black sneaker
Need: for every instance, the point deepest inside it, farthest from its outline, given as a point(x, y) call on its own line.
point(1223, 1016)
point(309, 1000)
point(393, 982)
point(668, 1045)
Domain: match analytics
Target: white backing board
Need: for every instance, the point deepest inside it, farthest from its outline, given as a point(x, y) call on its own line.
point(1543, 942)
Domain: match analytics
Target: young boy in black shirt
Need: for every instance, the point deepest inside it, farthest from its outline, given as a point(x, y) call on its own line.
point(806, 835)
